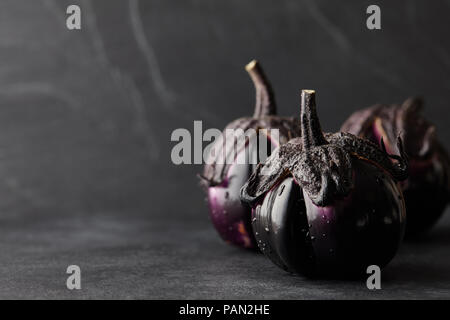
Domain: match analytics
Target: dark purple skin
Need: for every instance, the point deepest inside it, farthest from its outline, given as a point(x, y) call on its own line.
point(427, 189)
point(327, 205)
point(222, 182)
point(229, 216)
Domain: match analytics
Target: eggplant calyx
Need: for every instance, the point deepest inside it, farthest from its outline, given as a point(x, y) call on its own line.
point(322, 164)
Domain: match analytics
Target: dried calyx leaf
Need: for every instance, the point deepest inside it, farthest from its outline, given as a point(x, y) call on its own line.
point(320, 164)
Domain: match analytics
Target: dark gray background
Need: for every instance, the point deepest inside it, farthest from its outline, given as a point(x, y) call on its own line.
point(86, 118)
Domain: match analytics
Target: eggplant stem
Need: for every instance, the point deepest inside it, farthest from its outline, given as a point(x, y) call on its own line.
point(265, 99)
point(312, 134)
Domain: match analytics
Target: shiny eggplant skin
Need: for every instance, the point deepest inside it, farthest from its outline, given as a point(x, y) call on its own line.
point(231, 217)
point(281, 228)
point(426, 194)
point(342, 239)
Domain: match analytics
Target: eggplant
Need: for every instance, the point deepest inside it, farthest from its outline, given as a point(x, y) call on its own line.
point(328, 204)
point(427, 189)
point(223, 176)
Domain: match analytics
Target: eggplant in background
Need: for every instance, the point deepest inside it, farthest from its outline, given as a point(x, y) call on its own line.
point(427, 189)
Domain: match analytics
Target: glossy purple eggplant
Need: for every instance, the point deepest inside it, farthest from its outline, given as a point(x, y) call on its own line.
point(327, 204)
point(427, 189)
point(222, 178)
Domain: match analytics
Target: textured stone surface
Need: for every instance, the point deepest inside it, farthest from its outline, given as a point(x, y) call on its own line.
point(127, 258)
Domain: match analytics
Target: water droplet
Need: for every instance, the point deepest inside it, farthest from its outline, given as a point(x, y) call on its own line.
point(259, 241)
point(281, 190)
point(256, 233)
point(267, 229)
point(328, 221)
point(254, 219)
point(313, 238)
point(310, 225)
point(324, 235)
point(324, 217)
